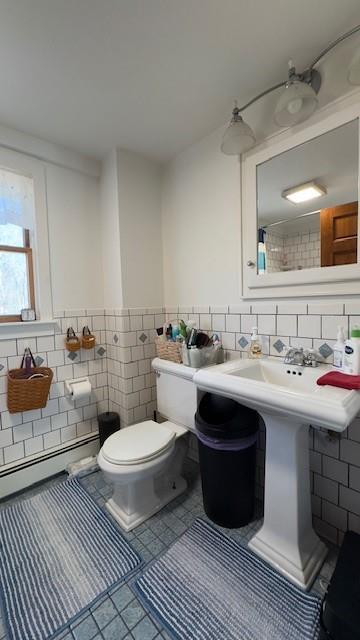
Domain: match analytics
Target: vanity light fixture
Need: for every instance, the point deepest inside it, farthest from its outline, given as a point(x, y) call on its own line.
point(297, 102)
point(239, 137)
point(304, 192)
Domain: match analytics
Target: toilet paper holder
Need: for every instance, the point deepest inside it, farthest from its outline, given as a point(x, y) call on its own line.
point(70, 384)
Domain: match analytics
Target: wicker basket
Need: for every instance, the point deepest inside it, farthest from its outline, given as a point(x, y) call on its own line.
point(72, 342)
point(26, 393)
point(168, 350)
point(88, 340)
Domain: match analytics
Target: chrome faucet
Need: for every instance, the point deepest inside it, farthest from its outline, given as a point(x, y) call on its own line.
point(295, 356)
point(298, 357)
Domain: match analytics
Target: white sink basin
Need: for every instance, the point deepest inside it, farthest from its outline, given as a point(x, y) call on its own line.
point(288, 399)
point(285, 389)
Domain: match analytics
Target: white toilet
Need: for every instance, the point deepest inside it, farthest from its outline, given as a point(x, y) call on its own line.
point(143, 462)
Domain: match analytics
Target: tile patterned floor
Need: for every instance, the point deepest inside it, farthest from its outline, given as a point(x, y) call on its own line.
point(119, 615)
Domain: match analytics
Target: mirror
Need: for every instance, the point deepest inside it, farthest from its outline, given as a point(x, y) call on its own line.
point(307, 204)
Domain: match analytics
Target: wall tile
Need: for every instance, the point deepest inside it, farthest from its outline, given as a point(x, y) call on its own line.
point(51, 439)
point(334, 515)
point(352, 308)
point(296, 308)
point(350, 451)
point(219, 309)
point(232, 322)
point(309, 326)
point(266, 325)
point(13, 453)
point(218, 322)
point(22, 432)
point(354, 478)
point(330, 446)
point(279, 345)
point(335, 469)
point(248, 322)
point(41, 426)
point(7, 348)
point(325, 488)
point(263, 308)
point(350, 500)
point(330, 326)
point(205, 321)
point(286, 325)
point(33, 445)
point(244, 307)
point(354, 430)
point(326, 308)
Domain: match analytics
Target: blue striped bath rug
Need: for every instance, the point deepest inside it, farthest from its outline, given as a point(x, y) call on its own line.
point(207, 587)
point(59, 552)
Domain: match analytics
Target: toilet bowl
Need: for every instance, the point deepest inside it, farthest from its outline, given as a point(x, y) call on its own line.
point(143, 463)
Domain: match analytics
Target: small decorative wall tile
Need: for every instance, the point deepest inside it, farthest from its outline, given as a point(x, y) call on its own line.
point(243, 342)
point(1, 367)
point(279, 346)
point(101, 351)
point(325, 350)
point(73, 355)
point(38, 361)
point(116, 338)
point(143, 337)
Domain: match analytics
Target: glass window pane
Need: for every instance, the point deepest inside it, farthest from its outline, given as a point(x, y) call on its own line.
point(11, 235)
point(14, 288)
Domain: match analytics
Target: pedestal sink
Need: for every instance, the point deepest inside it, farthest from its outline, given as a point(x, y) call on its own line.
point(289, 400)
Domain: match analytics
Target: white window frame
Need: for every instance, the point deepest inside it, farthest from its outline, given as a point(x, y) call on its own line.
point(35, 169)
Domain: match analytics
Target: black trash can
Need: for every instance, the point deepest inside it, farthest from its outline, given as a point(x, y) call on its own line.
point(340, 616)
point(227, 435)
point(109, 422)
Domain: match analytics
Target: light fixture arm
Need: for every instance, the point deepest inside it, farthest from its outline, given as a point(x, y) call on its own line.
point(311, 76)
point(334, 43)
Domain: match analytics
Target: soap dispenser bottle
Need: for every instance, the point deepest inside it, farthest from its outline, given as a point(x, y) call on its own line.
point(339, 349)
point(352, 353)
point(255, 349)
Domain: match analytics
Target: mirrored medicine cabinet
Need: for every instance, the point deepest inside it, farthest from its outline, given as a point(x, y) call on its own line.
point(300, 223)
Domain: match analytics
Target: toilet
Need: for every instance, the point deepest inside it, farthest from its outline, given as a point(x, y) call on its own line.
point(143, 462)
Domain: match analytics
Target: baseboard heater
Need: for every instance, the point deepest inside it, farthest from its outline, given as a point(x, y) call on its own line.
point(25, 464)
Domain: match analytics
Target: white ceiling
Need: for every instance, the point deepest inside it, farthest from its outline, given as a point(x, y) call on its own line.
point(153, 76)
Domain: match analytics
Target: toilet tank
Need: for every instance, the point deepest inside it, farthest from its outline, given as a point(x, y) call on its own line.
point(175, 391)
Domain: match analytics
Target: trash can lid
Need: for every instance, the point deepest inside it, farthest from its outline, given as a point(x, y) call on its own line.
point(224, 418)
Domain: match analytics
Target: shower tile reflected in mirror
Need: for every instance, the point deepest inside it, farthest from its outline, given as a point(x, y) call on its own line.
point(307, 204)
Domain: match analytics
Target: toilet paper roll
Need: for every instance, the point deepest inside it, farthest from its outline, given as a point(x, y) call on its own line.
point(81, 390)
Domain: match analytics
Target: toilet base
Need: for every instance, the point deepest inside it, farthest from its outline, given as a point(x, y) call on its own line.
point(165, 493)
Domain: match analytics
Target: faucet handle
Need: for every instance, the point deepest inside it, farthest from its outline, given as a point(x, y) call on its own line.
point(294, 355)
point(312, 358)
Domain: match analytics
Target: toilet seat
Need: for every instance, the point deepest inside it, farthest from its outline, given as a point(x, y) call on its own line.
point(137, 444)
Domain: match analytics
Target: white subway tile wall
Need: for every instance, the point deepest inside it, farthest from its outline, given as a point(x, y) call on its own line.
point(334, 458)
point(34, 432)
point(120, 372)
point(130, 345)
point(292, 252)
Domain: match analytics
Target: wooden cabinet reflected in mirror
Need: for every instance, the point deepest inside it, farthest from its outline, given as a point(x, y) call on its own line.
point(339, 234)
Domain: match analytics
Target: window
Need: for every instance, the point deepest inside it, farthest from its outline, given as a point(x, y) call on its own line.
point(16, 259)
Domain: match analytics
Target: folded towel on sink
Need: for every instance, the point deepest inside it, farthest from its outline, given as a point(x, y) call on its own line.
point(339, 379)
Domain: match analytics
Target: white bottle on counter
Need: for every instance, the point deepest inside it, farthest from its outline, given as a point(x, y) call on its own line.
point(352, 353)
point(339, 348)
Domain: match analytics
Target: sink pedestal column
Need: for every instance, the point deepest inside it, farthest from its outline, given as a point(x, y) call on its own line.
point(287, 540)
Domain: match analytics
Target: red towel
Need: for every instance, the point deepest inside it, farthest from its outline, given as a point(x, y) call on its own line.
point(338, 379)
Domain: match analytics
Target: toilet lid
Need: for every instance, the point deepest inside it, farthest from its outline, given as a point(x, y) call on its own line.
point(137, 443)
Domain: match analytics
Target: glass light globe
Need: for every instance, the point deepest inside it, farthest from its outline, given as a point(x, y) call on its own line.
point(238, 137)
point(297, 102)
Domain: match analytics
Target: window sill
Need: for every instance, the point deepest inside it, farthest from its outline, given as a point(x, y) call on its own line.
point(13, 330)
